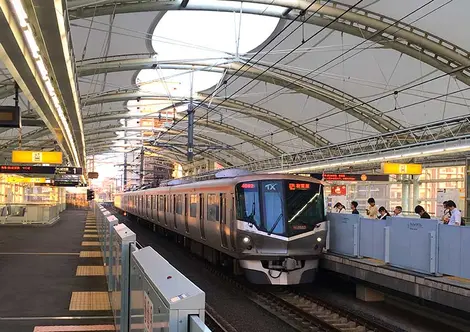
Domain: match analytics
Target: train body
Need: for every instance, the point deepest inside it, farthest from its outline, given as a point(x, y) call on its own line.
point(271, 225)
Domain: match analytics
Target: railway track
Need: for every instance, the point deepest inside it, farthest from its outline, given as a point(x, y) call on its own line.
point(217, 323)
point(303, 313)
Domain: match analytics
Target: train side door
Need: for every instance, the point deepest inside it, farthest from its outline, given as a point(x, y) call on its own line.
point(223, 220)
point(186, 209)
point(201, 216)
point(165, 208)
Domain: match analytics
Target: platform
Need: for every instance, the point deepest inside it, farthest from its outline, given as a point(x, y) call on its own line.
point(53, 277)
point(446, 290)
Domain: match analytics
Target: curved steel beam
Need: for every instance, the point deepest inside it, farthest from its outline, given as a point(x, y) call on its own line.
point(305, 85)
point(232, 104)
point(222, 127)
point(410, 40)
point(102, 146)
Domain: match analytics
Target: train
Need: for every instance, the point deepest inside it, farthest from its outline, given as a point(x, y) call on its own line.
point(270, 227)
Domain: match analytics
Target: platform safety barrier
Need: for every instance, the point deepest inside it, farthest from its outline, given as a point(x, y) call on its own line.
point(419, 245)
point(146, 292)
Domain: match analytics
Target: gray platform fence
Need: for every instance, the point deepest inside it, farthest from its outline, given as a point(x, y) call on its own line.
point(419, 245)
point(145, 291)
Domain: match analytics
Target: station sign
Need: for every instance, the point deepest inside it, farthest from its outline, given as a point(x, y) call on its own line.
point(49, 170)
point(15, 179)
point(408, 169)
point(93, 175)
point(36, 157)
point(336, 177)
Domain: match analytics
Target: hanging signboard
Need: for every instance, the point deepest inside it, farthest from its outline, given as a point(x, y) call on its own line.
point(51, 170)
point(10, 117)
point(338, 190)
point(406, 169)
point(337, 177)
point(15, 179)
point(36, 157)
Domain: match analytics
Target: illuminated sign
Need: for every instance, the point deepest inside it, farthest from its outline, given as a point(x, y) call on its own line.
point(411, 169)
point(51, 170)
point(25, 180)
point(36, 157)
point(338, 190)
point(248, 186)
point(332, 177)
point(299, 186)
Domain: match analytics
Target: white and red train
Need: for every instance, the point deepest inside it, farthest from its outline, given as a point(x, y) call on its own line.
point(271, 226)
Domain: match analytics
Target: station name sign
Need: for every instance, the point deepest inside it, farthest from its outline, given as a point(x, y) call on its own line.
point(331, 177)
point(50, 170)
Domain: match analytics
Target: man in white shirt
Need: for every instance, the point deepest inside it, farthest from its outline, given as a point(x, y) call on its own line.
point(455, 214)
point(398, 211)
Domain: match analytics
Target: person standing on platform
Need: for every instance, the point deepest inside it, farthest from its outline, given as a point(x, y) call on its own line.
point(372, 211)
point(398, 211)
point(455, 214)
point(339, 208)
point(422, 212)
point(447, 214)
point(354, 205)
point(383, 213)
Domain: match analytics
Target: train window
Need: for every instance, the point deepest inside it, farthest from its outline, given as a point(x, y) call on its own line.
point(248, 205)
point(179, 204)
point(193, 206)
point(161, 203)
point(154, 202)
point(212, 207)
point(173, 206)
point(273, 206)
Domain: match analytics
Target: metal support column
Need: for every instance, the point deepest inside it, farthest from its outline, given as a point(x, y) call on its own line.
point(141, 170)
point(405, 196)
point(190, 152)
point(415, 191)
point(124, 184)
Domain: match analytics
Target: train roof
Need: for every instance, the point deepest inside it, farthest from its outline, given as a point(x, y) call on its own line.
point(229, 181)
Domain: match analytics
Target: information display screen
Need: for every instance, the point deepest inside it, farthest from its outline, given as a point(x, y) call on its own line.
point(51, 170)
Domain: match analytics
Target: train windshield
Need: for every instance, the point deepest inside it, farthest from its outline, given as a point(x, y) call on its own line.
point(281, 207)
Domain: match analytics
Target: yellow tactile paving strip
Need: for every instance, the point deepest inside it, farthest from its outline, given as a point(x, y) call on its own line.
point(90, 236)
point(89, 301)
point(87, 271)
point(90, 230)
point(90, 243)
point(459, 279)
point(74, 328)
point(90, 254)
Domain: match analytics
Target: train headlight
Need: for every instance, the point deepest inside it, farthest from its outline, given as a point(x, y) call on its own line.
point(247, 242)
point(319, 239)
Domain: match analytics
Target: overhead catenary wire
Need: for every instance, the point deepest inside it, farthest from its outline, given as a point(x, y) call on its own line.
point(349, 50)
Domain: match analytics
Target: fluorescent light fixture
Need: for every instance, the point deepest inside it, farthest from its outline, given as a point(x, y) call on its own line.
point(376, 159)
point(411, 154)
point(462, 147)
point(33, 47)
point(397, 156)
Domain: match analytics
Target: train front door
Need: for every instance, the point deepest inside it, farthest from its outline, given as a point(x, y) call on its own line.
point(223, 221)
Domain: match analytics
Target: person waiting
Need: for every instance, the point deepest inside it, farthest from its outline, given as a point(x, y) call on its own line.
point(422, 212)
point(339, 208)
point(383, 213)
point(354, 205)
point(372, 210)
point(455, 214)
point(397, 212)
point(446, 213)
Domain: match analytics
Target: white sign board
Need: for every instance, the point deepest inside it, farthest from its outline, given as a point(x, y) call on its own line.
point(148, 314)
point(448, 194)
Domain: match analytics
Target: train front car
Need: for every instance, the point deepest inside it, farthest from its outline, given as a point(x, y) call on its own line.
point(281, 229)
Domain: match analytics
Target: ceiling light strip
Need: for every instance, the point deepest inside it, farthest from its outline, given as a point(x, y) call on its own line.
point(33, 47)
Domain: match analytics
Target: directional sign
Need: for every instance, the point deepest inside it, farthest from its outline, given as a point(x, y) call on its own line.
point(50, 170)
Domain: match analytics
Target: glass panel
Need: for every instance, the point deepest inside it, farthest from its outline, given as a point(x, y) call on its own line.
point(212, 207)
point(248, 206)
point(273, 206)
point(193, 206)
point(305, 206)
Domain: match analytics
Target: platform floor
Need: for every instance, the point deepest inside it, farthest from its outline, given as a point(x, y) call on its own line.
point(51, 281)
point(445, 290)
